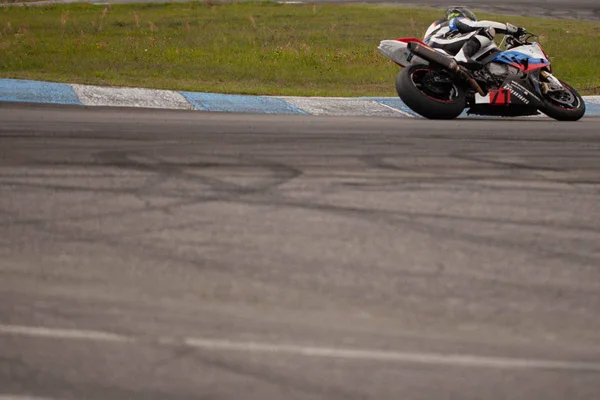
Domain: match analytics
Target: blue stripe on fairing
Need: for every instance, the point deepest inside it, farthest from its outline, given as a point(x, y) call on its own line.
point(516, 57)
point(37, 92)
point(239, 103)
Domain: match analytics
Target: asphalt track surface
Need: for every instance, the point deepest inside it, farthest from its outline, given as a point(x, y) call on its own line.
point(187, 255)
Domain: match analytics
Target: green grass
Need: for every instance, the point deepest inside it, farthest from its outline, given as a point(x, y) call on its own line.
point(254, 48)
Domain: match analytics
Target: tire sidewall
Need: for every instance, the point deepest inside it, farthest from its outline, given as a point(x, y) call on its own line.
point(424, 105)
point(563, 114)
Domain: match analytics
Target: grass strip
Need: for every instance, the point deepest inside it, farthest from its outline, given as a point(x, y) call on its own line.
point(251, 48)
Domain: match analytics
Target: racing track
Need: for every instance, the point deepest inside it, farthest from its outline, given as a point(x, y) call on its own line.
point(292, 250)
point(560, 9)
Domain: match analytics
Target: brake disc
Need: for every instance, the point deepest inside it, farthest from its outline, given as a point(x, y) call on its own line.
point(562, 96)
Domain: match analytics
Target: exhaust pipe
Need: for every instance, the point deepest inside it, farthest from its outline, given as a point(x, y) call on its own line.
point(427, 53)
point(431, 55)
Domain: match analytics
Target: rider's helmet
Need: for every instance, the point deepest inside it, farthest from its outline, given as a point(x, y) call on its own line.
point(460, 12)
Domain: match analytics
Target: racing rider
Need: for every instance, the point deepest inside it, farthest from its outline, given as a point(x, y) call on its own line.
point(461, 35)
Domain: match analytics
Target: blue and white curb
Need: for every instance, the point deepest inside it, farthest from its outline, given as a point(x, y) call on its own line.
point(16, 90)
point(344, 106)
point(126, 97)
point(37, 92)
point(240, 103)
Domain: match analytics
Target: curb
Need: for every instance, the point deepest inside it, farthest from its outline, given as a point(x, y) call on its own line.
point(16, 90)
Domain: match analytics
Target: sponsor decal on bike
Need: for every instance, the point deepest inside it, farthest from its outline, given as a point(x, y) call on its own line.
point(517, 91)
point(500, 97)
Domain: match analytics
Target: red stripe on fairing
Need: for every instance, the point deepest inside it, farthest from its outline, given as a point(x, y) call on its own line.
point(408, 40)
point(532, 67)
point(542, 49)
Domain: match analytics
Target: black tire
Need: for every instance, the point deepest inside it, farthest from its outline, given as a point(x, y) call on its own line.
point(448, 104)
point(561, 112)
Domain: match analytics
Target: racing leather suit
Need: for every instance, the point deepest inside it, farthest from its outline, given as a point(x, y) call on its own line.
point(462, 37)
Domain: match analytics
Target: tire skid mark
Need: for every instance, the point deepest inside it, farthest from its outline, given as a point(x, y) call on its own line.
point(161, 172)
point(408, 220)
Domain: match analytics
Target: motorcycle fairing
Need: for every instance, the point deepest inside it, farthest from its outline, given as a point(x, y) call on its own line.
point(526, 58)
point(497, 97)
point(515, 97)
point(514, 91)
point(495, 111)
point(521, 93)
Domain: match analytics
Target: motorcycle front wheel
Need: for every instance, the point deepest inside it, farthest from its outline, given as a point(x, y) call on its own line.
point(565, 105)
point(431, 92)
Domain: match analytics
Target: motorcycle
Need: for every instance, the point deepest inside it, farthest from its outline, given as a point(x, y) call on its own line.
point(516, 81)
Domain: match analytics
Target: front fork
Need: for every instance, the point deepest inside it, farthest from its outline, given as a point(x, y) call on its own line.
point(552, 84)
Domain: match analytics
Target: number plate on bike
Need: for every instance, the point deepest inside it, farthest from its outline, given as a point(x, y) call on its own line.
point(500, 97)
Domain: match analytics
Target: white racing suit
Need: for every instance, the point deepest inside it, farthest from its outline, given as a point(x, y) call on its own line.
point(462, 37)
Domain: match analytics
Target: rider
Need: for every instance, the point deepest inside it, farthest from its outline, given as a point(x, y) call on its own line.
point(461, 35)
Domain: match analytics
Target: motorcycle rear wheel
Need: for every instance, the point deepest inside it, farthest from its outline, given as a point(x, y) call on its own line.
point(430, 92)
point(555, 108)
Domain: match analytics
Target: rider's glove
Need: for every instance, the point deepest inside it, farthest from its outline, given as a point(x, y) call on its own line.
point(520, 32)
point(515, 30)
point(512, 29)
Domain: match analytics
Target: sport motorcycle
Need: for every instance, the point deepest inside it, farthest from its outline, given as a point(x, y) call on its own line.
point(511, 79)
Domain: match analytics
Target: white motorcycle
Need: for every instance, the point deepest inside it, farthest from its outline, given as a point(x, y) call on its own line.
point(517, 81)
